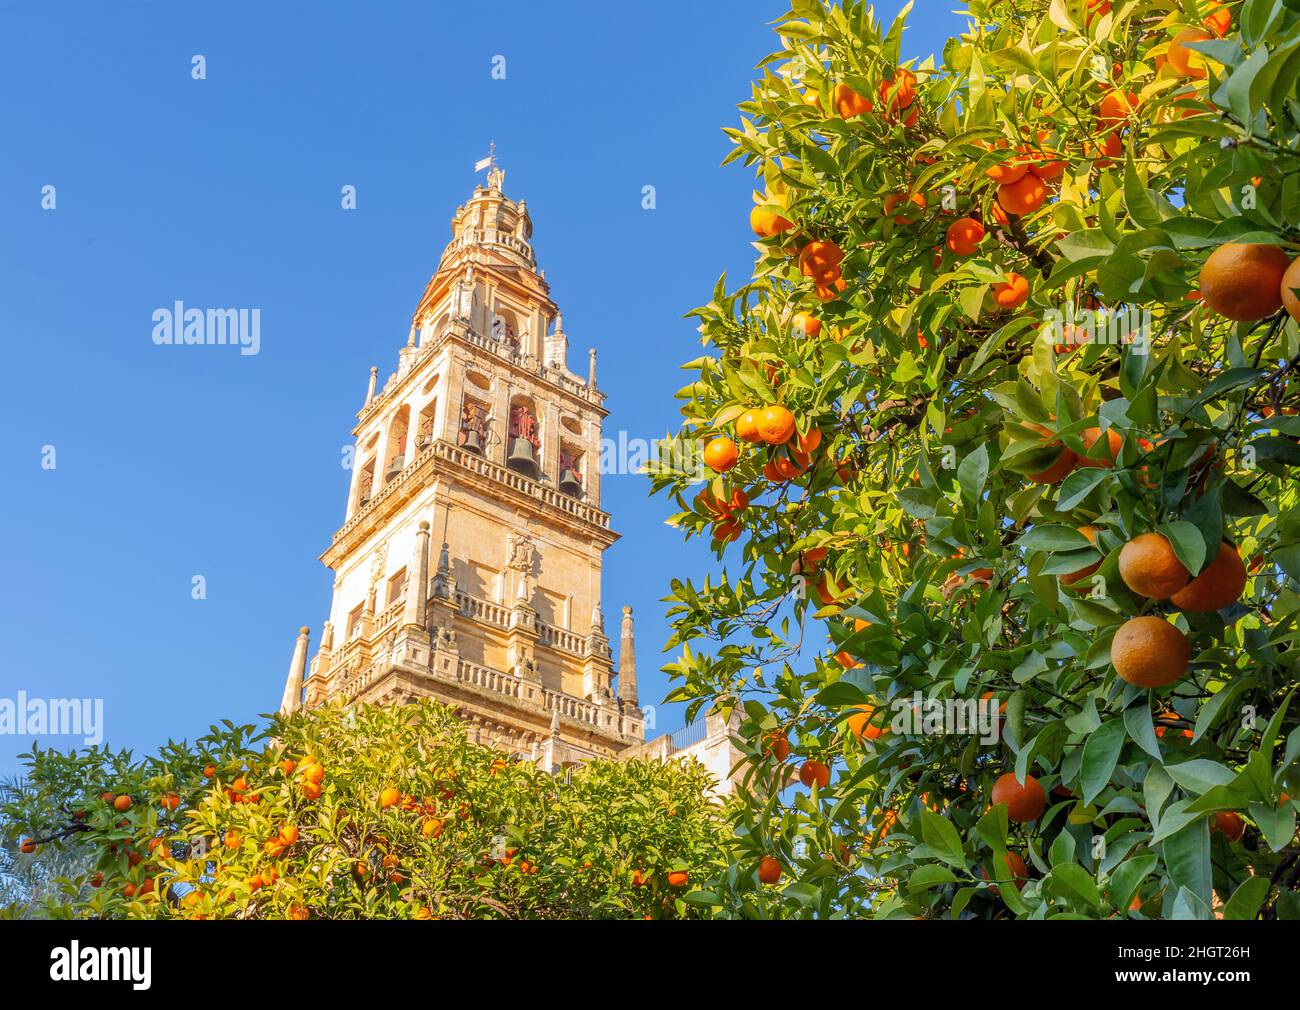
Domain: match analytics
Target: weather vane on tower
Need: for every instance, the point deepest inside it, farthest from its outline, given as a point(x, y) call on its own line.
point(496, 175)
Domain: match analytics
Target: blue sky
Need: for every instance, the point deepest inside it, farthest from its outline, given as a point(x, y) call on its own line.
point(178, 462)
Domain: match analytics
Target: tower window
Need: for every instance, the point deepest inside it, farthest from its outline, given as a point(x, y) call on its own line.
point(571, 471)
point(354, 623)
point(397, 587)
point(424, 431)
point(524, 452)
point(473, 426)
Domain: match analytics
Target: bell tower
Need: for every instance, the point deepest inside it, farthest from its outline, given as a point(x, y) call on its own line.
point(468, 564)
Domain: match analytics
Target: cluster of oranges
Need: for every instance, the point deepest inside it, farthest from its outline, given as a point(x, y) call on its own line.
point(774, 426)
point(1148, 650)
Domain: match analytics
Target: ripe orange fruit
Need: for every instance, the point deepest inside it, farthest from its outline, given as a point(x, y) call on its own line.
point(1011, 293)
point(1105, 458)
point(1291, 281)
point(1229, 824)
point(747, 427)
point(1115, 107)
point(778, 746)
point(806, 325)
point(1244, 281)
point(27, 846)
point(775, 424)
point(848, 103)
point(1023, 196)
point(431, 828)
point(129, 891)
point(1009, 171)
point(862, 725)
point(1068, 580)
point(299, 913)
point(287, 766)
point(171, 801)
point(769, 870)
point(1060, 467)
point(831, 288)
point(1149, 567)
point(895, 200)
point(389, 797)
point(964, 236)
point(821, 261)
point(1025, 802)
point(639, 879)
point(1219, 585)
point(811, 772)
point(1015, 867)
point(1150, 652)
point(720, 454)
point(1046, 164)
point(846, 660)
point(898, 93)
point(311, 790)
point(1187, 62)
point(767, 223)
point(830, 591)
point(234, 839)
point(1219, 20)
point(122, 804)
point(288, 834)
point(678, 878)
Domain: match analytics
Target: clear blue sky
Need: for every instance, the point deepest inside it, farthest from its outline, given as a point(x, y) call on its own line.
point(174, 462)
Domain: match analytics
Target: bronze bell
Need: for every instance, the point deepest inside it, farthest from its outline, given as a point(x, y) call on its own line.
point(522, 459)
point(394, 468)
point(570, 484)
point(473, 441)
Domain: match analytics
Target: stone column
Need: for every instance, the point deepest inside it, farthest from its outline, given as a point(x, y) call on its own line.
point(627, 661)
point(292, 700)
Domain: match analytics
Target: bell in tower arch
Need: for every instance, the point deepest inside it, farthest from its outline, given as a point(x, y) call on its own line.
point(524, 443)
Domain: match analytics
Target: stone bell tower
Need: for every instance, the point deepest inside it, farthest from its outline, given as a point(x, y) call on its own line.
point(468, 565)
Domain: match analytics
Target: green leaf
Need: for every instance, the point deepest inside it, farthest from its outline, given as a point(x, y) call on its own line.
point(1247, 899)
point(1187, 542)
point(1072, 879)
point(1187, 857)
point(1100, 752)
point(1137, 720)
point(942, 838)
point(931, 875)
point(1053, 538)
point(1079, 484)
point(1200, 775)
point(973, 471)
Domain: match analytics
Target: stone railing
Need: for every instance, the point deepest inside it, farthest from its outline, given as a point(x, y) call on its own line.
point(573, 708)
point(389, 617)
point(476, 464)
point(518, 482)
point(483, 611)
point(494, 681)
point(558, 638)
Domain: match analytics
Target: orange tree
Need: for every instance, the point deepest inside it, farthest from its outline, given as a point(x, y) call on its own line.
point(368, 812)
point(1008, 411)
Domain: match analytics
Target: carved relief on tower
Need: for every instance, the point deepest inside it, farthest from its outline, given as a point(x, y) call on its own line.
point(521, 558)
